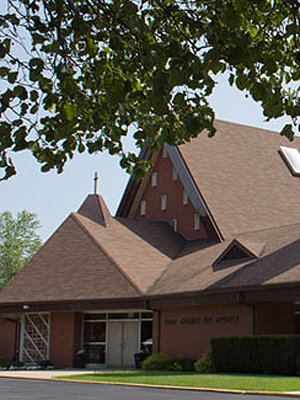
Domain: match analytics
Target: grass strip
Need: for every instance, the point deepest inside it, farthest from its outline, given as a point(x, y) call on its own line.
point(268, 383)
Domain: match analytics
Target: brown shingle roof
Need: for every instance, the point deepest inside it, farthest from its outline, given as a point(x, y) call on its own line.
point(70, 266)
point(87, 260)
point(95, 208)
point(243, 179)
point(141, 249)
point(252, 196)
point(192, 271)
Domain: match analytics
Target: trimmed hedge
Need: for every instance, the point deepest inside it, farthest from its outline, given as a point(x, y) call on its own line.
point(261, 354)
point(157, 362)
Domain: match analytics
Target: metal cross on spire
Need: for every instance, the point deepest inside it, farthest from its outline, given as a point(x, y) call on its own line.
point(96, 183)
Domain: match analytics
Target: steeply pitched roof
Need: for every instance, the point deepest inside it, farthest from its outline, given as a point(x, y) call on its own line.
point(243, 178)
point(140, 249)
point(70, 266)
point(94, 207)
point(87, 260)
point(249, 191)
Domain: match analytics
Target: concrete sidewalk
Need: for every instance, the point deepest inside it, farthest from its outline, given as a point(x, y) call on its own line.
point(45, 374)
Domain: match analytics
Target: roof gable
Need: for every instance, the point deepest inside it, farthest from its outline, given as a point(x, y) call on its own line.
point(174, 182)
point(70, 266)
point(277, 261)
point(235, 253)
point(243, 178)
point(237, 178)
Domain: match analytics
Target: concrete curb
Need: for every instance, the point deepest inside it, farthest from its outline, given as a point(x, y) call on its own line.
point(141, 385)
point(233, 391)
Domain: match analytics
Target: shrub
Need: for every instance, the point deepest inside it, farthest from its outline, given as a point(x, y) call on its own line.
point(185, 364)
point(261, 354)
point(17, 364)
point(159, 362)
point(45, 363)
point(174, 366)
point(205, 363)
point(3, 363)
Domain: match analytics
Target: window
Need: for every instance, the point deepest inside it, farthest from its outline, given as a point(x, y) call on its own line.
point(163, 202)
point(143, 207)
point(95, 341)
point(96, 332)
point(174, 225)
point(196, 222)
point(154, 179)
point(175, 176)
point(185, 198)
point(292, 157)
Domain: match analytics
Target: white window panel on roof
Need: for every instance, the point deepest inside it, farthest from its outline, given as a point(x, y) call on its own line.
point(292, 157)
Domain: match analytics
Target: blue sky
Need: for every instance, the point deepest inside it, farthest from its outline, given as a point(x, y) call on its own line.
point(53, 197)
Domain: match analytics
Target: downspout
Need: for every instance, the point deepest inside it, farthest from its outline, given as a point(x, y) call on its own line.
point(241, 297)
point(158, 332)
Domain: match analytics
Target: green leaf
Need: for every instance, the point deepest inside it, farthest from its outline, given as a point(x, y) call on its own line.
point(34, 95)
point(21, 92)
point(288, 132)
point(12, 77)
point(36, 64)
point(70, 111)
point(4, 71)
point(34, 108)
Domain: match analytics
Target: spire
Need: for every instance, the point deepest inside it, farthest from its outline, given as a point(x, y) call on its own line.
point(96, 183)
point(94, 207)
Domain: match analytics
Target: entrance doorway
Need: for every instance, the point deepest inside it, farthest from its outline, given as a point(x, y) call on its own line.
point(123, 343)
point(112, 338)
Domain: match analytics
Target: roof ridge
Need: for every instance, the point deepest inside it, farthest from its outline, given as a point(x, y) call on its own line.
point(166, 269)
point(103, 209)
point(235, 236)
point(176, 154)
point(95, 241)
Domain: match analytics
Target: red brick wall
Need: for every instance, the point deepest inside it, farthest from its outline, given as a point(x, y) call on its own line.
point(64, 338)
point(186, 331)
point(7, 340)
point(275, 318)
point(175, 208)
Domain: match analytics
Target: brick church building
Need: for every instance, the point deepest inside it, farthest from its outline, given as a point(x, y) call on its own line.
point(207, 244)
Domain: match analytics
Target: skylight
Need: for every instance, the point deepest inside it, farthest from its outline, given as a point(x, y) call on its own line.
point(292, 157)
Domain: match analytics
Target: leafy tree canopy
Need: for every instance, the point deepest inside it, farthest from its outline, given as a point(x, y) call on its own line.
point(18, 242)
point(79, 74)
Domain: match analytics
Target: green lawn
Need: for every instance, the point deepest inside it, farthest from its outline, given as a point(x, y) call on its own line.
point(266, 383)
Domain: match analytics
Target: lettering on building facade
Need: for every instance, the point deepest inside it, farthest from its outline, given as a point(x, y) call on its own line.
point(205, 320)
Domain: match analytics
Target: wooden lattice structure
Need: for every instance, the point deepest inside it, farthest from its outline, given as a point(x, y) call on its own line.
point(35, 338)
